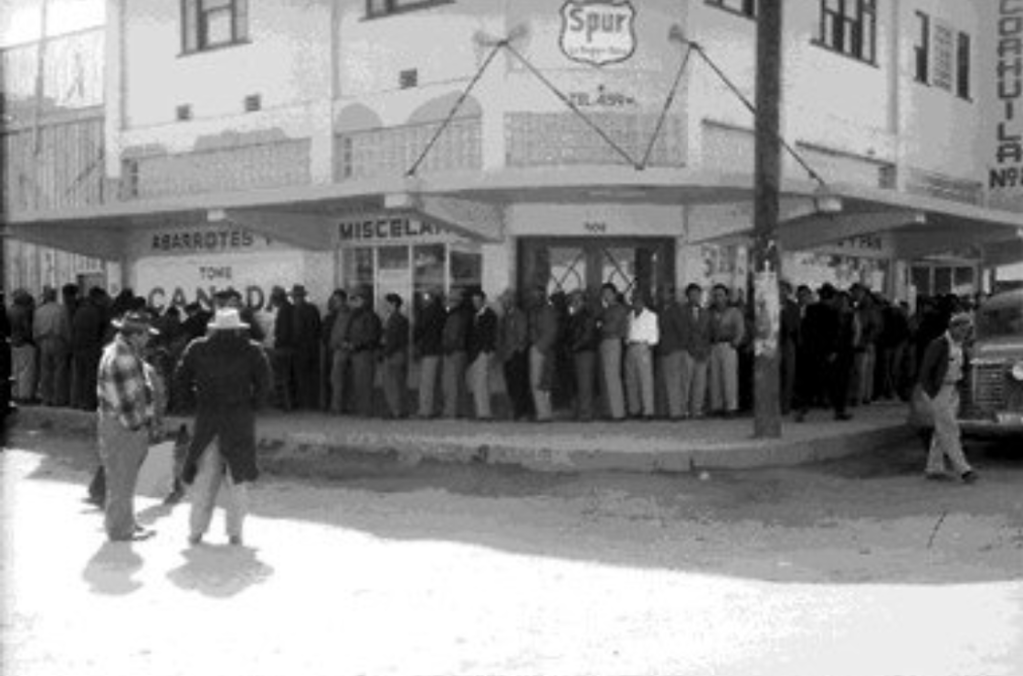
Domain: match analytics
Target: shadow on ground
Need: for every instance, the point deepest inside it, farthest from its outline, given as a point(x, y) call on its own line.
point(867, 518)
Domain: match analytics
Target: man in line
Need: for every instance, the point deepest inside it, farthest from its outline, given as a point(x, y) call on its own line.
point(514, 351)
point(428, 339)
point(583, 341)
point(340, 356)
point(696, 356)
point(940, 373)
point(670, 350)
point(394, 348)
point(727, 329)
point(614, 326)
point(454, 342)
point(306, 360)
point(362, 342)
point(52, 331)
point(643, 336)
point(230, 378)
point(543, 336)
point(788, 340)
point(127, 411)
point(482, 345)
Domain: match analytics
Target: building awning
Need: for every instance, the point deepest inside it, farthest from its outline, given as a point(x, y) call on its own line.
point(471, 204)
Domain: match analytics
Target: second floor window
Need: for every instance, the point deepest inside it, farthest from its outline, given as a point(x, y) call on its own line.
point(922, 49)
point(207, 24)
point(744, 7)
point(375, 8)
point(849, 27)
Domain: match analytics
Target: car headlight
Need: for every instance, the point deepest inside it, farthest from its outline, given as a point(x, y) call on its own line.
point(1017, 370)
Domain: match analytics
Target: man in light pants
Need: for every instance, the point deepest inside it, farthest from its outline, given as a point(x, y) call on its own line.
point(695, 357)
point(614, 325)
point(482, 344)
point(230, 377)
point(543, 334)
point(940, 373)
point(727, 329)
point(643, 336)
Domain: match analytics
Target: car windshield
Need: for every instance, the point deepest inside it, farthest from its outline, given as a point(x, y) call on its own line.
point(997, 322)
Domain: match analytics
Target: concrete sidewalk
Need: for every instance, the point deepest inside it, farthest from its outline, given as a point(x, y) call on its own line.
point(325, 445)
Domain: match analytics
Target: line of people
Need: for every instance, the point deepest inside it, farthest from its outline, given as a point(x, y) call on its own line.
point(591, 354)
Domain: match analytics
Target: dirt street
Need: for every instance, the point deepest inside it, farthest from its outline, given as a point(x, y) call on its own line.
point(854, 567)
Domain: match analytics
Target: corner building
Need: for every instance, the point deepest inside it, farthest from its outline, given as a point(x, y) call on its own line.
point(402, 145)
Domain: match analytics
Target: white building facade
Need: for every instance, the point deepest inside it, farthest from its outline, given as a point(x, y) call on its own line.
point(404, 145)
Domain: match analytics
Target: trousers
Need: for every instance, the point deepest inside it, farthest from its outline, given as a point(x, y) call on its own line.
point(53, 372)
point(670, 370)
point(541, 395)
point(122, 452)
point(945, 443)
point(395, 377)
point(585, 363)
point(724, 378)
point(212, 473)
point(639, 379)
point(452, 379)
point(340, 366)
point(611, 377)
point(694, 385)
point(479, 384)
point(428, 367)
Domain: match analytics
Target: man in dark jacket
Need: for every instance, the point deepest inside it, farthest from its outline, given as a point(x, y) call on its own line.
point(306, 360)
point(362, 342)
point(454, 344)
point(428, 338)
point(229, 376)
point(87, 333)
point(669, 352)
point(942, 368)
point(543, 338)
point(788, 341)
point(482, 344)
point(394, 352)
point(283, 353)
point(513, 348)
point(583, 342)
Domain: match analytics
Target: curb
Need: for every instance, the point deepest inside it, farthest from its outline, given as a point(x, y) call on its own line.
point(322, 454)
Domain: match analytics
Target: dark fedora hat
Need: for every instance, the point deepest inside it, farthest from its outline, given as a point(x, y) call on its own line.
point(135, 322)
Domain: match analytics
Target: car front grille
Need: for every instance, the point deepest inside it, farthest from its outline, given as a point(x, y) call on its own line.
point(991, 389)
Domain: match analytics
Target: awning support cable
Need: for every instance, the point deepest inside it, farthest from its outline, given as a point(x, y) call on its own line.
point(753, 109)
point(667, 106)
point(455, 108)
point(574, 108)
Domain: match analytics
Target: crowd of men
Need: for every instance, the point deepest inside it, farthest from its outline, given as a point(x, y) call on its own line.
point(586, 355)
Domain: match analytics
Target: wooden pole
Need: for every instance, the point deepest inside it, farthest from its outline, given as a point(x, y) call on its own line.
point(766, 257)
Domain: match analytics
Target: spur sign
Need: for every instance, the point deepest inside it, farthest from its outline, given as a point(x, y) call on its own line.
point(598, 32)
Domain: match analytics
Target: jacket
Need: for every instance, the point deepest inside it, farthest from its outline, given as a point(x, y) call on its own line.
point(671, 327)
point(483, 333)
point(429, 331)
point(395, 340)
point(455, 337)
point(696, 332)
point(229, 376)
point(934, 366)
point(363, 330)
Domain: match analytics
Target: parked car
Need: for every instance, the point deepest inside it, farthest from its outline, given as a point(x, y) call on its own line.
point(992, 396)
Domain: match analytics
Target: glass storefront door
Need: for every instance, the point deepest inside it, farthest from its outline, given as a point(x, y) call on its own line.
point(563, 265)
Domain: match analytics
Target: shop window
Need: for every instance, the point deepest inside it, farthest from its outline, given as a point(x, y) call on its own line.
point(359, 271)
point(746, 8)
point(922, 48)
point(920, 277)
point(942, 280)
point(208, 24)
point(849, 27)
point(466, 269)
point(377, 8)
point(964, 281)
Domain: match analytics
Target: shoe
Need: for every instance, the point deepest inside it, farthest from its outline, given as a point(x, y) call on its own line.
point(969, 477)
point(194, 540)
point(138, 535)
point(235, 540)
point(937, 476)
point(174, 497)
point(93, 500)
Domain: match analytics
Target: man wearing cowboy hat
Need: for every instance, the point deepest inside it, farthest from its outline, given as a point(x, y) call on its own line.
point(127, 410)
point(940, 372)
point(229, 376)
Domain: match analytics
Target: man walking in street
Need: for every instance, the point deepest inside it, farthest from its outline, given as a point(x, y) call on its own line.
point(127, 410)
point(52, 331)
point(229, 376)
point(727, 329)
point(940, 373)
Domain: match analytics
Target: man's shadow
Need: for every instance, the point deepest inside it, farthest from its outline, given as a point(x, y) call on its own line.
point(220, 570)
point(112, 568)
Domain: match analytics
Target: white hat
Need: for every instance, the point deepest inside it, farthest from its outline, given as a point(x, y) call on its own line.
point(227, 319)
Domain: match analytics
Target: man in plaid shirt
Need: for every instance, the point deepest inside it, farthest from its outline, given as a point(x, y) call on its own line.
point(127, 418)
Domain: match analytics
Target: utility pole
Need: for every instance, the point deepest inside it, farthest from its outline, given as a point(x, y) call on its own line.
point(766, 258)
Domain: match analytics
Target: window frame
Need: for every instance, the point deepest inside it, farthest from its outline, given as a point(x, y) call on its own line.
point(922, 50)
point(394, 7)
point(748, 10)
point(195, 25)
point(852, 33)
